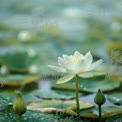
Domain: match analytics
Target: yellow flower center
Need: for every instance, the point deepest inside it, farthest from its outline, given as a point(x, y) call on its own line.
point(75, 60)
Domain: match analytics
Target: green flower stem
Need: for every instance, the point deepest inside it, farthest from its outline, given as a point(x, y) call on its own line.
point(20, 118)
point(100, 115)
point(77, 95)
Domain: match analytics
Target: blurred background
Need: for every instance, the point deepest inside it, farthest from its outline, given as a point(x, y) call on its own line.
point(33, 33)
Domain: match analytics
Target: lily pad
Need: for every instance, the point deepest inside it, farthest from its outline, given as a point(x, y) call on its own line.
point(8, 101)
point(7, 93)
point(5, 101)
point(16, 80)
point(35, 116)
point(116, 98)
point(29, 116)
point(106, 112)
point(117, 76)
point(115, 118)
point(109, 111)
point(90, 84)
point(57, 94)
point(19, 59)
point(89, 113)
point(12, 92)
point(51, 106)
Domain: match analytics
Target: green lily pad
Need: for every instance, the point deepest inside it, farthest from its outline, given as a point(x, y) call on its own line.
point(12, 92)
point(7, 110)
point(89, 113)
point(57, 94)
point(90, 84)
point(16, 80)
point(7, 93)
point(115, 118)
point(106, 112)
point(111, 110)
point(35, 116)
point(19, 60)
point(117, 76)
point(8, 115)
point(50, 106)
point(7, 101)
point(116, 98)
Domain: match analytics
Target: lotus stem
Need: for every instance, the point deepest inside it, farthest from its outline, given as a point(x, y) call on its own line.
point(20, 118)
point(77, 95)
point(100, 115)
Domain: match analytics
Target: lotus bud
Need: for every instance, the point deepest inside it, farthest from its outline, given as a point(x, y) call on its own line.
point(19, 105)
point(99, 98)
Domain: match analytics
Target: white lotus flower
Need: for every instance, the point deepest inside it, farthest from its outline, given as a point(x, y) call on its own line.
point(24, 36)
point(76, 64)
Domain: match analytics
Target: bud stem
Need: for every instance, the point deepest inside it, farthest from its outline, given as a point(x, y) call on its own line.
point(20, 118)
point(77, 96)
point(100, 115)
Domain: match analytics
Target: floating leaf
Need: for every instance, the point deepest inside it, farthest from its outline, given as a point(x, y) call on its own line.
point(5, 101)
point(57, 94)
point(90, 84)
point(117, 76)
point(11, 93)
point(116, 98)
point(115, 118)
point(59, 116)
point(19, 59)
point(35, 116)
point(111, 110)
point(8, 92)
point(8, 115)
point(17, 79)
point(106, 112)
point(57, 105)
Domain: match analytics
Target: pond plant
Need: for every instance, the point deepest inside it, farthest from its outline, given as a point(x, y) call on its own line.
point(99, 100)
point(76, 65)
point(19, 106)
